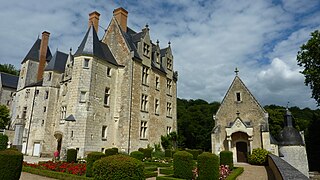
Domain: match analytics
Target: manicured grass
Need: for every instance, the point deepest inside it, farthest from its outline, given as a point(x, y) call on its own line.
point(235, 173)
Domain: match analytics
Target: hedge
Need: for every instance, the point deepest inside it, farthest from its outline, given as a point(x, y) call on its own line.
point(168, 153)
point(235, 173)
point(158, 164)
point(3, 142)
point(208, 166)
point(54, 174)
point(258, 157)
point(166, 171)
point(137, 154)
point(149, 174)
point(71, 155)
point(146, 151)
point(117, 167)
point(170, 177)
point(195, 153)
point(111, 151)
point(151, 168)
point(10, 164)
point(183, 165)
point(91, 158)
point(226, 158)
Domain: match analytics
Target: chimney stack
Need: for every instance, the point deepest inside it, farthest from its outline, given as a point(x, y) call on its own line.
point(121, 15)
point(43, 54)
point(94, 19)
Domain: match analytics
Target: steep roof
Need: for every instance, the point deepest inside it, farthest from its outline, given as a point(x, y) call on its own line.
point(92, 46)
point(33, 53)
point(57, 62)
point(9, 80)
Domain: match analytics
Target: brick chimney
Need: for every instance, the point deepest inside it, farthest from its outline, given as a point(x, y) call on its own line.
point(94, 19)
point(43, 54)
point(121, 15)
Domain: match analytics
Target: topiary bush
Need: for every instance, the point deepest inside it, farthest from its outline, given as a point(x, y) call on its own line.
point(168, 153)
point(3, 142)
point(137, 154)
point(118, 167)
point(146, 151)
point(71, 155)
point(226, 158)
point(208, 166)
point(91, 158)
point(183, 165)
point(258, 157)
point(111, 151)
point(10, 164)
point(195, 153)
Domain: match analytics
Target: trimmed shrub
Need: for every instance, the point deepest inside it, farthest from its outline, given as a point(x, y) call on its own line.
point(158, 164)
point(71, 155)
point(208, 166)
point(149, 174)
point(169, 177)
point(111, 151)
point(235, 173)
point(151, 168)
point(168, 153)
point(226, 158)
point(118, 167)
point(10, 164)
point(258, 157)
point(195, 153)
point(137, 154)
point(146, 151)
point(157, 154)
point(3, 142)
point(166, 171)
point(182, 165)
point(91, 158)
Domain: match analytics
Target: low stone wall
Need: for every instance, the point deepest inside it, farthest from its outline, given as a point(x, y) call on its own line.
point(283, 170)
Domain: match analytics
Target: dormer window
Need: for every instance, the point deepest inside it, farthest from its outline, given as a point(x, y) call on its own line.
point(169, 64)
point(86, 63)
point(146, 50)
point(49, 76)
point(158, 58)
point(108, 71)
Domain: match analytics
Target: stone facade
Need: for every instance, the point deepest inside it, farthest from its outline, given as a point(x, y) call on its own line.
point(117, 92)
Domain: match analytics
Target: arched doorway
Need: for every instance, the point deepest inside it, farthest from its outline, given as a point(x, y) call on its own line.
point(58, 136)
point(242, 151)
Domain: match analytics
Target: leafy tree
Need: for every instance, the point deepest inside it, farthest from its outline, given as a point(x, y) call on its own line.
point(309, 58)
point(4, 116)
point(9, 68)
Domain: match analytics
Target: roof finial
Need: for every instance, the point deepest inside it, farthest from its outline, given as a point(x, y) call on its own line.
point(169, 43)
point(238, 113)
point(70, 50)
point(287, 105)
point(236, 71)
point(147, 26)
point(158, 42)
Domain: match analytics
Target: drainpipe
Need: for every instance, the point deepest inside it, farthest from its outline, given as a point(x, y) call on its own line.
point(34, 97)
point(130, 107)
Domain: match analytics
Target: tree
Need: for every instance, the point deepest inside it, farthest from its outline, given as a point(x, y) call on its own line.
point(4, 116)
point(309, 58)
point(9, 68)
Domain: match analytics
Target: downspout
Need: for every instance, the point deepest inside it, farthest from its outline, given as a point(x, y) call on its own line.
point(34, 97)
point(130, 108)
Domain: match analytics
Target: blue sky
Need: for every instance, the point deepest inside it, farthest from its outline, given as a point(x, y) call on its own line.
point(209, 39)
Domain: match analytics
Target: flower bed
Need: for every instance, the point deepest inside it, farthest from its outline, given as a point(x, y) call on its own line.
point(71, 168)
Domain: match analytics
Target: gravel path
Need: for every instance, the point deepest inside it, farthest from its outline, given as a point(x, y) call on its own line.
point(255, 172)
point(28, 176)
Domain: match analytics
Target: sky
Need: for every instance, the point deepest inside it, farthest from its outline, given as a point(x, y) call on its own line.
point(209, 39)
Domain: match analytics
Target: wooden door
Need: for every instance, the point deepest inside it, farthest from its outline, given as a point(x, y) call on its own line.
point(242, 150)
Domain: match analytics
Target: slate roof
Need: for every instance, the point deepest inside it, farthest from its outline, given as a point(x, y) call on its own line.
point(92, 46)
point(70, 118)
point(57, 62)
point(33, 53)
point(9, 80)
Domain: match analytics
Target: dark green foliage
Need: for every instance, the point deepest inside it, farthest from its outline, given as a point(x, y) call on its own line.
point(258, 156)
point(111, 151)
point(235, 173)
point(208, 166)
point(182, 165)
point(3, 141)
point(226, 158)
point(149, 174)
point(146, 151)
point(137, 154)
point(169, 177)
point(72, 155)
point(167, 171)
point(168, 153)
point(151, 168)
point(10, 164)
point(9, 68)
point(195, 153)
point(195, 123)
point(4, 116)
point(157, 154)
point(118, 167)
point(91, 158)
point(158, 164)
point(309, 58)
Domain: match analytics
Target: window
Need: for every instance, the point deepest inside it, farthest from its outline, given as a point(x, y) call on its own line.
point(27, 93)
point(143, 130)
point(49, 76)
point(63, 113)
point(156, 108)
point(157, 82)
point(108, 71)
point(146, 50)
point(169, 86)
point(145, 75)
point(86, 63)
point(144, 103)
point(83, 96)
point(37, 92)
point(46, 95)
point(104, 132)
point(158, 58)
point(169, 109)
point(106, 96)
point(169, 129)
point(169, 64)
point(71, 134)
point(44, 109)
point(24, 113)
point(238, 96)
